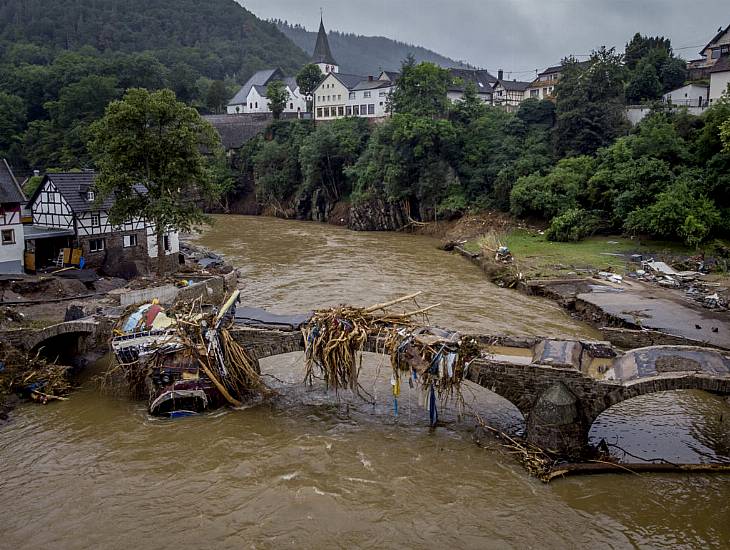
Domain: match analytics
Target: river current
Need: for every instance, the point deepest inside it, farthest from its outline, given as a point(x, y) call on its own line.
point(312, 470)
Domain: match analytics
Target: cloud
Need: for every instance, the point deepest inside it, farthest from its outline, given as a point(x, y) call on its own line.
point(516, 35)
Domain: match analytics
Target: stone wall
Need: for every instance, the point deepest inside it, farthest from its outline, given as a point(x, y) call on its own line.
point(115, 252)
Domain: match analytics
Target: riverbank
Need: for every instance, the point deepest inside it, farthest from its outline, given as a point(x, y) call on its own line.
point(637, 293)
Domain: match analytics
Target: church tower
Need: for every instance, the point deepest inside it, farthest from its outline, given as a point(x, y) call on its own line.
point(322, 54)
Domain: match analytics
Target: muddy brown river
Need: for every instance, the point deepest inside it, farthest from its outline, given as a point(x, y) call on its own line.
point(311, 470)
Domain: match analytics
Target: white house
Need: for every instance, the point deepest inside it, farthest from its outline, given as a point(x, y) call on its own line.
point(259, 103)
point(370, 98)
point(12, 236)
point(332, 95)
point(509, 93)
point(66, 213)
point(719, 78)
point(543, 87)
point(340, 95)
point(690, 95)
point(482, 80)
point(251, 98)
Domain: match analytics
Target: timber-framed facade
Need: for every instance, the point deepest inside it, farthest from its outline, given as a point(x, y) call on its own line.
point(69, 202)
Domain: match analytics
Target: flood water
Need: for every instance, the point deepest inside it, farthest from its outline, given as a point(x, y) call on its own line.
point(311, 470)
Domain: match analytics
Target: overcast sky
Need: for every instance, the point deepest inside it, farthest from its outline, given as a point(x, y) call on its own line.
point(516, 35)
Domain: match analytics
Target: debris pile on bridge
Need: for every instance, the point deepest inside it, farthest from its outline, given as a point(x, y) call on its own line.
point(334, 338)
point(33, 377)
point(192, 365)
point(435, 359)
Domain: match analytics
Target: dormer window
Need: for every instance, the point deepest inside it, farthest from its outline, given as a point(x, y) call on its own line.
point(90, 196)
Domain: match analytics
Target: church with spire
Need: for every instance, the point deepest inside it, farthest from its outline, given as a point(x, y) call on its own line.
point(322, 56)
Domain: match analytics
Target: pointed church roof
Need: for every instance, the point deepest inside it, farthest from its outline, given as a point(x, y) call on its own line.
point(322, 52)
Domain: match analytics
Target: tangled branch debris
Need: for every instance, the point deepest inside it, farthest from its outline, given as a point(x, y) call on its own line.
point(192, 365)
point(435, 359)
point(33, 377)
point(335, 338)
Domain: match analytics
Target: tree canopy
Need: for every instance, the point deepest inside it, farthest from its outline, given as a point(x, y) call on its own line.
point(153, 140)
point(277, 95)
point(308, 78)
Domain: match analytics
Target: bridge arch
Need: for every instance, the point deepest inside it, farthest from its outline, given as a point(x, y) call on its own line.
point(657, 384)
point(64, 341)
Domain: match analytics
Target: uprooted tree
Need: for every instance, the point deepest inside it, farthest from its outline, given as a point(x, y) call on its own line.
point(151, 150)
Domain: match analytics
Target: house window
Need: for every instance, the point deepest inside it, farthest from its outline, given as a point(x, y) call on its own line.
point(97, 245)
point(166, 243)
point(130, 241)
point(8, 236)
point(90, 196)
point(340, 111)
point(291, 106)
point(251, 105)
point(328, 98)
point(356, 110)
point(257, 104)
point(366, 95)
point(319, 112)
point(352, 95)
point(534, 93)
point(326, 112)
point(363, 109)
point(371, 109)
point(95, 219)
point(349, 110)
point(382, 94)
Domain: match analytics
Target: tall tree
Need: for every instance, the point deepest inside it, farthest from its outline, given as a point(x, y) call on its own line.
point(644, 84)
point(308, 79)
point(217, 96)
point(277, 95)
point(422, 90)
point(590, 104)
point(151, 139)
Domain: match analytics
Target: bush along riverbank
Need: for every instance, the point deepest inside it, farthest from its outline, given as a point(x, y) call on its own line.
point(636, 292)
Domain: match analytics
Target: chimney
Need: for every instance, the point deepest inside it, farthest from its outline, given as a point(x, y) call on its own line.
point(500, 74)
point(370, 78)
point(36, 173)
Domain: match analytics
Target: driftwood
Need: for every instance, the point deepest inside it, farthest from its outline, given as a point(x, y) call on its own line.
point(605, 467)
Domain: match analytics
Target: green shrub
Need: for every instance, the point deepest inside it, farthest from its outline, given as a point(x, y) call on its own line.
point(573, 225)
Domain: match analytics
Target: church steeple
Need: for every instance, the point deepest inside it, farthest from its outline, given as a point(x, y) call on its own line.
point(323, 57)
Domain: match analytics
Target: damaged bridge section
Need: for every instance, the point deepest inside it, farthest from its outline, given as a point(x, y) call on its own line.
point(560, 387)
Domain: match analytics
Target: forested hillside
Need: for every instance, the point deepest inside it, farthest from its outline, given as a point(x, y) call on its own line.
point(365, 55)
point(218, 38)
point(62, 61)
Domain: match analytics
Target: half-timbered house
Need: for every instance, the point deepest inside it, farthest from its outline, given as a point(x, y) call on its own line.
point(68, 202)
point(12, 239)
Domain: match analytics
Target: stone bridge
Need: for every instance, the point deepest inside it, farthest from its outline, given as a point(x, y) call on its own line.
point(81, 329)
point(560, 387)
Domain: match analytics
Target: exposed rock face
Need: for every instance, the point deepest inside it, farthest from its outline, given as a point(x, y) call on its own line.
point(556, 424)
point(377, 215)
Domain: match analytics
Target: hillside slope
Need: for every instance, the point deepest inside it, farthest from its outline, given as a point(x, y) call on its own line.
point(217, 37)
point(365, 55)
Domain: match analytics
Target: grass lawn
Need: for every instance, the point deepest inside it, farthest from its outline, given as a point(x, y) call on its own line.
point(537, 257)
